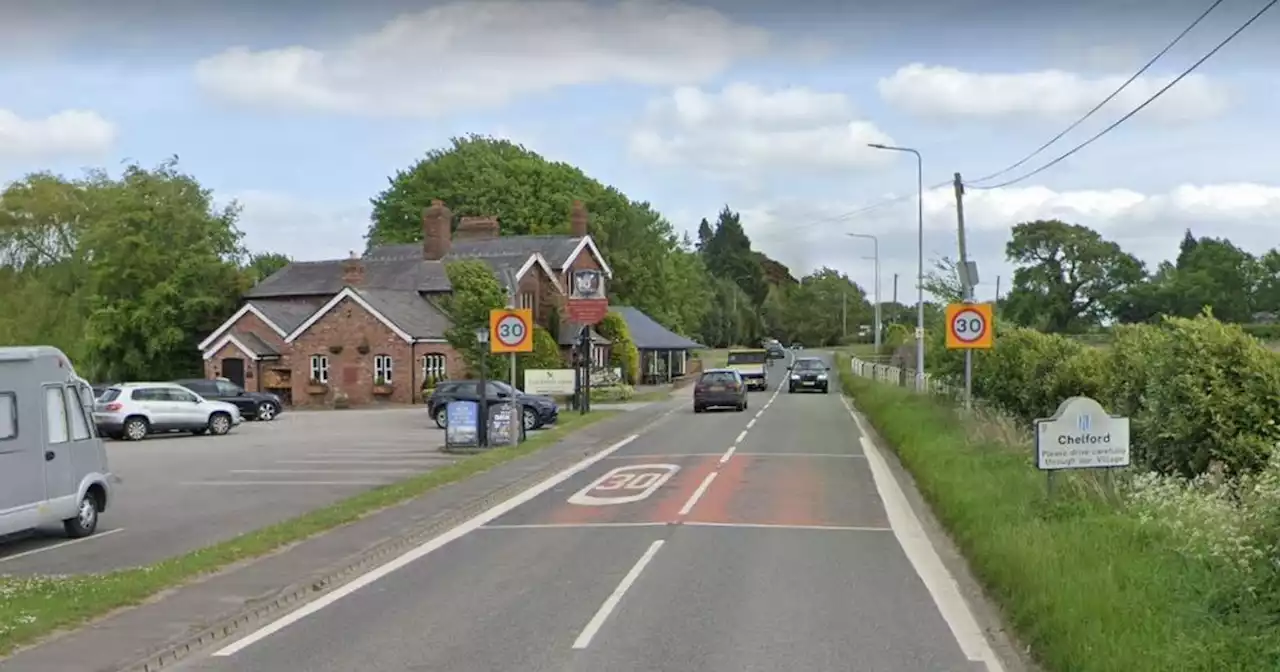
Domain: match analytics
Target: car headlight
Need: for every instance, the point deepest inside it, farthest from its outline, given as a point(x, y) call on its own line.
point(822, 376)
point(795, 376)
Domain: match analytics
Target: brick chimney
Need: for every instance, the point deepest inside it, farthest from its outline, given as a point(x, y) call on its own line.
point(437, 231)
point(353, 271)
point(578, 220)
point(477, 228)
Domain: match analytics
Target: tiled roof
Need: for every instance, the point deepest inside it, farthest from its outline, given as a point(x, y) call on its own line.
point(288, 314)
point(257, 345)
point(569, 335)
point(318, 278)
point(555, 249)
point(647, 334)
point(417, 316)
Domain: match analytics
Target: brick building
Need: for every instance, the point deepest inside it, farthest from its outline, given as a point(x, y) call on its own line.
point(373, 327)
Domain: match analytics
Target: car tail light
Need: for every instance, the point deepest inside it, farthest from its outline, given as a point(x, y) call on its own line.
point(113, 407)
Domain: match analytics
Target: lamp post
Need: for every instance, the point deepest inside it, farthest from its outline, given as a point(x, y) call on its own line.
point(919, 257)
point(875, 251)
point(482, 424)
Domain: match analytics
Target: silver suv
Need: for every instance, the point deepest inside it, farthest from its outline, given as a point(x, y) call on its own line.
point(134, 410)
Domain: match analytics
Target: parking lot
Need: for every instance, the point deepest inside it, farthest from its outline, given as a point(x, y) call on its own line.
point(181, 492)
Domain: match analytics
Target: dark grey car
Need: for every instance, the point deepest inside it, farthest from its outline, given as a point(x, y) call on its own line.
point(720, 387)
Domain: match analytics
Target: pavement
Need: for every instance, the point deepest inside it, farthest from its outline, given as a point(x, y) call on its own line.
point(767, 540)
point(180, 492)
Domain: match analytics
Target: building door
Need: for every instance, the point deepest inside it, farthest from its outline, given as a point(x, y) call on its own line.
point(233, 370)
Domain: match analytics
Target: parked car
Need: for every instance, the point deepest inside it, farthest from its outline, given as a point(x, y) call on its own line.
point(263, 406)
point(134, 411)
point(53, 467)
point(720, 387)
point(809, 373)
point(536, 410)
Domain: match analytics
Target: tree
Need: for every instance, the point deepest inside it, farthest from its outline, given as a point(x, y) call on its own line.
point(704, 234)
point(624, 354)
point(821, 306)
point(943, 280)
point(476, 292)
point(729, 256)
point(1069, 278)
point(263, 265)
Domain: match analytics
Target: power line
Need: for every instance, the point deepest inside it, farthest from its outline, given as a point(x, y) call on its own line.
point(1109, 98)
point(1139, 108)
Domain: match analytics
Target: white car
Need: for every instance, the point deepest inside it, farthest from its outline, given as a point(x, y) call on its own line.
point(133, 411)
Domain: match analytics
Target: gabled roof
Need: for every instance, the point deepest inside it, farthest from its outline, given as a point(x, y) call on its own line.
point(405, 313)
point(248, 343)
point(558, 251)
point(647, 334)
point(569, 332)
point(320, 278)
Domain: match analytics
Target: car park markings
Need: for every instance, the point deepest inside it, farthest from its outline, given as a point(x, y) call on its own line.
point(62, 544)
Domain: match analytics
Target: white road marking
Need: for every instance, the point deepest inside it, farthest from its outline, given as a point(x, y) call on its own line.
point(752, 422)
point(910, 534)
point(565, 526)
point(611, 603)
point(759, 413)
point(323, 471)
point(62, 544)
point(697, 494)
point(275, 483)
point(767, 526)
point(664, 456)
point(855, 456)
point(419, 462)
point(728, 453)
point(741, 435)
point(420, 552)
point(641, 479)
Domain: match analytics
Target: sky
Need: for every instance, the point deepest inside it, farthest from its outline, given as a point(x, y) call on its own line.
point(300, 112)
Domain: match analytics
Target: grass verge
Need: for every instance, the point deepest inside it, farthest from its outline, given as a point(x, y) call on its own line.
point(1080, 581)
point(33, 607)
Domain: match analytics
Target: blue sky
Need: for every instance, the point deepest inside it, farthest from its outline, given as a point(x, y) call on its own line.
point(300, 111)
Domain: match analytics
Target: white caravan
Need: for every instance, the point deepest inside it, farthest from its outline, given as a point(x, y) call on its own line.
point(53, 466)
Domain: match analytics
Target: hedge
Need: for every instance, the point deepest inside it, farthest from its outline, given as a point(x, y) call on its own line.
point(624, 354)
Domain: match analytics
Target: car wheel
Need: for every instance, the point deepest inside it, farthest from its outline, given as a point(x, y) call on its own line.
point(698, 409)
point(531, 419)
point(136, 429)
point(219, 424)
point(441, 417)
point(267, 411)
point(791, 389)
point(86, 521)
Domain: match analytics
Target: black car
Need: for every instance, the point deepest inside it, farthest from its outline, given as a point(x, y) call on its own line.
point(809, 373)
point(776, 351)
point(536, 410)
point(263, 406)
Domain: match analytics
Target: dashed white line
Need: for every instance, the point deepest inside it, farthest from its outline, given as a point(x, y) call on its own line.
point(593, 626)
point(728, 453)
point(741, 435)
point(752, 422)
point(697, 494)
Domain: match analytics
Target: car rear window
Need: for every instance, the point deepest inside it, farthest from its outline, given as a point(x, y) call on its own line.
point(111, 394)
point(757, 357)
point(719, 378)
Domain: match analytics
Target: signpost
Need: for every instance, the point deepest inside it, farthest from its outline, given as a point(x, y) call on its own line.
point(1081, 435)
point(969, 327)
point(510, 330)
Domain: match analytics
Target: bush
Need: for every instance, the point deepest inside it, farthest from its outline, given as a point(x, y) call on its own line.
point(545, 355)
point(624, 354)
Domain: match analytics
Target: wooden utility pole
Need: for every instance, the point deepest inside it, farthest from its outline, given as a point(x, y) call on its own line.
point(965, 287)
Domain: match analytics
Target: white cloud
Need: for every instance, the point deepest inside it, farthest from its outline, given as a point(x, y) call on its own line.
point(483, 54)
point(937, 92)
point(66, 133)
point(744, 129)
point(1147, 225)
point(304, 230)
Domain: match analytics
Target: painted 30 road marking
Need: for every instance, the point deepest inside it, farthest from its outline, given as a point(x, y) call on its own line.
point(625, 485)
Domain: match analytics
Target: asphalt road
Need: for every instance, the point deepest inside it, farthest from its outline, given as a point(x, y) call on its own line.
point(751, 541)
point(181, 492)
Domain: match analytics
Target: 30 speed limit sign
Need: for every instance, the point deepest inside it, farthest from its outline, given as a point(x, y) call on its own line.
point(510, 330)
point(969, 326)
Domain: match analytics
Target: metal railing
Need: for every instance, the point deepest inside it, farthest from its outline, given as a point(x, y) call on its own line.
point(900, 376)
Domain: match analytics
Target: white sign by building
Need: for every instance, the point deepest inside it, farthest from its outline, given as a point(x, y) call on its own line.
point(1081, 435)
point(550, 382)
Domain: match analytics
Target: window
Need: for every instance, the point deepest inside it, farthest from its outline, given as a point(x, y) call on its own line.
point(529, 300)
point(177, 395)
point(382, 368)
point(75, 409)
point(434, 367)
point(8, 416)
point(599, 357)
point(55, 414)
point(224, 388)
point(320, 368)
point(110, 395)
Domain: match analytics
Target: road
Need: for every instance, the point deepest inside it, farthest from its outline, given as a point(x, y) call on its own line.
point(181, 492)
point(747, 541)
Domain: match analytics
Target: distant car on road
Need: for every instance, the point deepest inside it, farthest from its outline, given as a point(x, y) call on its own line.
point(809, 373)
point(536, 411)
point(752, 366)
point(253, 405)
point(797, 345)
point(775, 350)
point(134, 411)
point(720, 387)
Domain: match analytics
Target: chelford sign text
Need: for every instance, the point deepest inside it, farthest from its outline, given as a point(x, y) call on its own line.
point(1081, 435)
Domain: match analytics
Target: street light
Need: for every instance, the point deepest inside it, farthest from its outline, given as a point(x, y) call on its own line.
point(920, 257)
point(875, 247)
point(482, 424)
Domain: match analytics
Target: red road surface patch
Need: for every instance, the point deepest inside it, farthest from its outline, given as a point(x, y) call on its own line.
point(795, 491)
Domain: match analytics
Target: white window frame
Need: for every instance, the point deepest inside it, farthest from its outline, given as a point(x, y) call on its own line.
point(8, 416)
point(57, 423)
point(319, 368)
point(77, 422)
point(435, 365)
point(529, 300)
point(384, 367)
point(599, 357)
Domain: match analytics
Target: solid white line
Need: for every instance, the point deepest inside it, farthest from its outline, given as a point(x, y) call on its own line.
point(653, 456)
point(420, 552)
point(741, 435)
point(323, 471)
point(62, 544)
point(751, 423)
point(370, 462)
point(275, 483)
point(565, 526)
point(910, 534)
point(816, 455)
point(728, 453)
point(768, 526)
point(697, 494)
point(611, 603)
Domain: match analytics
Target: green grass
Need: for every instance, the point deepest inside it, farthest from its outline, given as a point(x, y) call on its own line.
point(31, 608)
point(1080, 581)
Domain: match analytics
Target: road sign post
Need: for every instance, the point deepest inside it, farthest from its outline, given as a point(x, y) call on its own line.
point(970, 326)
point(510, 330)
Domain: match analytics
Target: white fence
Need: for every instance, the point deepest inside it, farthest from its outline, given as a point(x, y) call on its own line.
point(900, 376)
